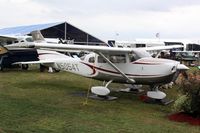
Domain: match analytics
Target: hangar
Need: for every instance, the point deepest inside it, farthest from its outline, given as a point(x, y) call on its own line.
point(61, 30)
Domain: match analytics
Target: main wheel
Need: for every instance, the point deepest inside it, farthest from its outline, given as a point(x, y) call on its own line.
point(25, 67)
point(1, 68)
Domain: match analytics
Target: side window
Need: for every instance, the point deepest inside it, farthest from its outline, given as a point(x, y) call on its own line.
point(118, 58)
point(91, 59)
point(140, 45)
point(101, 60)
point(29, 39)
point(113, 59)
point(16, 41)
point(132, 57)
point(82, 57)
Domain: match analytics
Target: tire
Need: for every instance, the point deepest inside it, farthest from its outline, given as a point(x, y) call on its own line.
point(56, 70)
point(1, 68)
point(42, 68)
point(24, 67)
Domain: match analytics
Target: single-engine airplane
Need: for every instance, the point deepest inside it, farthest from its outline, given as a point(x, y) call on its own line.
point(122, 65)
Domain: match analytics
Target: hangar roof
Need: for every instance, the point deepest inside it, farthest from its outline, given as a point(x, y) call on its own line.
point(23, 30)
point(62, 30)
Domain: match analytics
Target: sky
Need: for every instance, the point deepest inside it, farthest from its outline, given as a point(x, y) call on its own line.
point(110, 19)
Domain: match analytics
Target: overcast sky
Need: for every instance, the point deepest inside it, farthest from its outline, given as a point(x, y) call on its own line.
point(110, 19)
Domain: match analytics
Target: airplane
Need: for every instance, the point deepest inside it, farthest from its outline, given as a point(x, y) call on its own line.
point(9, 55)
point(11, 39)
point(132, 66)
point(188, 45)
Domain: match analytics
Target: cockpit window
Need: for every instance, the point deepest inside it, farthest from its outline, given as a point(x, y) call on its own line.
point(101, 60)
point(142, 53)
point(138, 54)
point(121, 58)
point(82, 57)
point(118, 58)
point(132, 57)
point(29, 39)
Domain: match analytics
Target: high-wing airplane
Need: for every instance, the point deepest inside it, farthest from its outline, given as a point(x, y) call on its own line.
point(10, 39)
point(10, 55)
point(122, 65)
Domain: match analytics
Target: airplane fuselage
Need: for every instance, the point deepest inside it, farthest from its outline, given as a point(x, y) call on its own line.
point(146, 70)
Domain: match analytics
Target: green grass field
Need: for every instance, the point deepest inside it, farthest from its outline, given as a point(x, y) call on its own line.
point(31, 101)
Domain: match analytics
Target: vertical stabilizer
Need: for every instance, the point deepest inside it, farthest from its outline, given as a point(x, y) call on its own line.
point(37, 36)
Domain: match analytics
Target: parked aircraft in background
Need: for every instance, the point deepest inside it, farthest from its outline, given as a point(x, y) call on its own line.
point(11, 39)
point(14, 54)
point(188, 45)
point(10, 56)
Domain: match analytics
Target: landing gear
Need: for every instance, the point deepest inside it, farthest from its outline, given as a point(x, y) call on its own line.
point(24, 66)
point(102, 92)
point(1, 68)
point(131, 88)
point(155, 93)
point(155, 96)
point(42, 68)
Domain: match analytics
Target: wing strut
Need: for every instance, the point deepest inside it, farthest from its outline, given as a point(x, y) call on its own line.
point(132, 81)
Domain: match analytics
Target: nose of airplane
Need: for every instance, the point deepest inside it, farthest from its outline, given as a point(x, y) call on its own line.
point(182, 67)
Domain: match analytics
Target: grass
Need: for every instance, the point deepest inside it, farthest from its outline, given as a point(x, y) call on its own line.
point(31, 101)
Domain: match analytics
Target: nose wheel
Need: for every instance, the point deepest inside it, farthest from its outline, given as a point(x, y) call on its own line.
point(155, 96)
point(155, 93)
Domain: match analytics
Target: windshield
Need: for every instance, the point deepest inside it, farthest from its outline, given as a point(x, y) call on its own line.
point(29, 39)
point(142, 54)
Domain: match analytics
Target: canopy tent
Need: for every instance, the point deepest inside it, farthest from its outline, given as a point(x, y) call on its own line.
point(62, 30)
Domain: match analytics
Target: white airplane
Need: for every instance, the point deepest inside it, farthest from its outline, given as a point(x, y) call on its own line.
point(7, 42)
point(11, 39)
point(122, 65)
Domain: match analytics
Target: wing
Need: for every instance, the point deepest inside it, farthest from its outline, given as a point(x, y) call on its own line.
point(102, 49)
point(163, 47)
point(4, 38)
point(36, 62)
point(186, 51)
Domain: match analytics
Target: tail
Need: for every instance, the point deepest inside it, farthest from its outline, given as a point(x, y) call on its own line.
point(37, 36)
point(3, 50)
